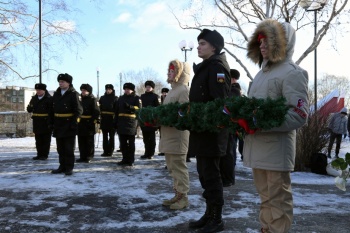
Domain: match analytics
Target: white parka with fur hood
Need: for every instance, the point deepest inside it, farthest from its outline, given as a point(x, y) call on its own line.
point(279, 77)
point(175, 141)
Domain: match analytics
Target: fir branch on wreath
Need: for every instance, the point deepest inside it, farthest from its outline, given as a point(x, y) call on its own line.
point(240, 115)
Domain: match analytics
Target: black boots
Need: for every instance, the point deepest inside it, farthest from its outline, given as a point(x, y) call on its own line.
point(211, 221)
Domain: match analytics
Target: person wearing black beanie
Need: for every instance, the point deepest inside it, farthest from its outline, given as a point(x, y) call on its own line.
point(164, 94)
point(149, 98)
point(41, 105)
point(125, 122)
point(214, 38)
point(86, 126)
point(108, 106)
point(67, 110)
point(211, 81)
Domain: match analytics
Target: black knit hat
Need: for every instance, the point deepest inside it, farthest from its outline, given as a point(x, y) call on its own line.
point(164, 89)
point(86, 87)
point(213, 37)
point(150, 83)
point(40, 86)
point(129, 86)
point(65, 77)
point(234, 74)
point(109, 86)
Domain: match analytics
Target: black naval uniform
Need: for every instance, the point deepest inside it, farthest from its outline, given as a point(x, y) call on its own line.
point(126, 124)
point(41, 124)
point(149, 133)
point(208, 147)
point(67, 110)
point(86, 127)
point(108, 103)
point(228, 162)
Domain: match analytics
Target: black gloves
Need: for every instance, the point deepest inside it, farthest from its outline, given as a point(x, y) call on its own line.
point(30, 108)
point(345, 135)
point(127, 106)
point(74, 125)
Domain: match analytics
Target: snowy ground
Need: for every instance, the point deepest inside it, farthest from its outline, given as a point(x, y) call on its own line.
point(102, 197)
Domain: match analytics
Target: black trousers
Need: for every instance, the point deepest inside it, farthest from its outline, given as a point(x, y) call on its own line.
point(209, 176)
point(86, 147)
point(228, 162)
point(337, 138)
point(149, 139)
point(108, 141)
point(42, 144)
point(127, 145)
point(65, 149)
point(240, 146)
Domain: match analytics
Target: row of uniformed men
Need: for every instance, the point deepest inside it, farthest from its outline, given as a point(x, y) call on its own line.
point(68, 113)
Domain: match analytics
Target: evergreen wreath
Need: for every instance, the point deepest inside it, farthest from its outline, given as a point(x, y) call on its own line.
point(241, 115)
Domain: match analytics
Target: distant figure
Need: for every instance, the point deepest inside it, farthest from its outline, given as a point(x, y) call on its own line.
point(86, 126)
point(125, 122)
point(149, 98)
point(108, 105)
point(174, 143)
point(228, 162)
point(164, 94)
point(41, 105)
point(162, 98)
point(67, 110)
point(337, 127)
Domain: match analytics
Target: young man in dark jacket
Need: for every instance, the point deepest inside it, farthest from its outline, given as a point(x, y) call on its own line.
point(228, 162)
point(126, 123)
point(211, 81)
point(86, 126)
point(41, 105)
point(108, 104)
point(149, 98)
point(67, 110)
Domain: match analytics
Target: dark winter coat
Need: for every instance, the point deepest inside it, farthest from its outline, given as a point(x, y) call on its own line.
point(108, 105)
point(149, 99)
point(41, 109)
point(235, 90)
point(66, 113)
point(206, 87)
point(125, 120)
point(91, 114)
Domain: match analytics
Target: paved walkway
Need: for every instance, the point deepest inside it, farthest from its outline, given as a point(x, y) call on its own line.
point(102, 197)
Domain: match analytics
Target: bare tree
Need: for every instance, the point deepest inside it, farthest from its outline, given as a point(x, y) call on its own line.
point(140, 77)
point(328, 83)
point(237, 18)
point(19, 35)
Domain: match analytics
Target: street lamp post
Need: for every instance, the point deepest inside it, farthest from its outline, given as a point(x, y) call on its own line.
point(40, 43)
point(120, 85)
point(314, 6)
point(183, 47)
point(98, 82)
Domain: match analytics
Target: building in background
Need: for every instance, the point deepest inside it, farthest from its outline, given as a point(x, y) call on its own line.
point(13, 98)
point(15, 121)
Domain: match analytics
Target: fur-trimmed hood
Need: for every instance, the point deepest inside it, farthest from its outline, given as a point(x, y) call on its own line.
point(182, 71)
point(280, 39)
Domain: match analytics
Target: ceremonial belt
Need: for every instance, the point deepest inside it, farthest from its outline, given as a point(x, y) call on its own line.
point(85, 116)
point(127, 115)
point(64, 114)
point(107, 113)
point(40, 114)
